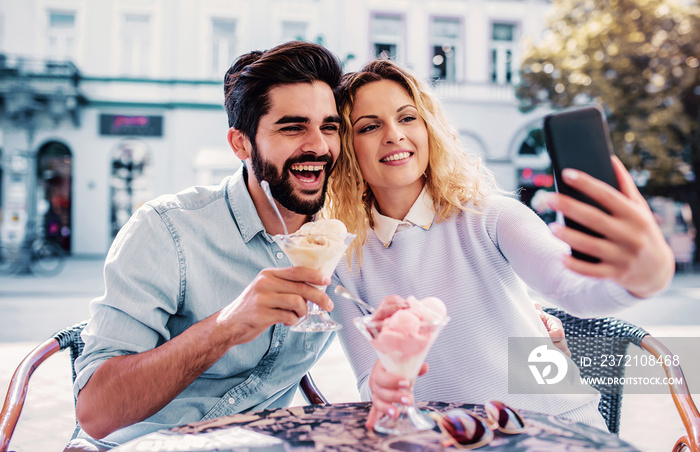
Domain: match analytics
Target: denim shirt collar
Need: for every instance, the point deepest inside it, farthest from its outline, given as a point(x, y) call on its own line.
point(242, 207)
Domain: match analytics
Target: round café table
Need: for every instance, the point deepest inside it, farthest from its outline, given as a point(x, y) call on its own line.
point(340, 427)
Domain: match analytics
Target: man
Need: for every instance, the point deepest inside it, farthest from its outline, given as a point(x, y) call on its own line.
point(195, 277)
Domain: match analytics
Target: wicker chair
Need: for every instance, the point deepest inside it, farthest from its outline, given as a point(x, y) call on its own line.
point(17, 392)
point(615, 336)
point(70, 338)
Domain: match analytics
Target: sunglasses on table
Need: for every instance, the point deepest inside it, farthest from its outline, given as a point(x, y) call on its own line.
point(466, 430)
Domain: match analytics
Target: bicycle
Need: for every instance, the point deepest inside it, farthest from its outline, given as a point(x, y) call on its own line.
point(34, 255)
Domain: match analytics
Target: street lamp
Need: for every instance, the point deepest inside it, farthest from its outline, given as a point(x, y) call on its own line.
point(127, 166)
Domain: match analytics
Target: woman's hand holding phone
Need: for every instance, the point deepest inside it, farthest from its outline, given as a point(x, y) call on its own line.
point(633, 252)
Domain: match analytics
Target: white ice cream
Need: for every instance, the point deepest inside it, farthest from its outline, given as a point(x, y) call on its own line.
point(318, 245)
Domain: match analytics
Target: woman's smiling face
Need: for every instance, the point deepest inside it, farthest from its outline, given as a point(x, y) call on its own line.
point(390, 139)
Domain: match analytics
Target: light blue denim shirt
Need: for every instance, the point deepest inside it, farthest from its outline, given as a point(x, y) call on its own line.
point(180, 259)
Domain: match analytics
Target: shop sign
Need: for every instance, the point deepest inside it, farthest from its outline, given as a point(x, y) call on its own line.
point(140, 126)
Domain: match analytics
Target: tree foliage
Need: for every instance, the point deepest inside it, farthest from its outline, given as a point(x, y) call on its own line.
point(640, 60)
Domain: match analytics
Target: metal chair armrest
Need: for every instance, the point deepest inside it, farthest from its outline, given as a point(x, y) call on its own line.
point(311, 392)
point(682, 445)
point(17, 392)
point(679, 391)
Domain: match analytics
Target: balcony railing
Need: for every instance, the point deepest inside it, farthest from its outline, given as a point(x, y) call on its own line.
point(17, 66)
point(32, 88)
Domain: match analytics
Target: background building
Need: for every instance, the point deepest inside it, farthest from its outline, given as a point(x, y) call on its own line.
point(109, 103)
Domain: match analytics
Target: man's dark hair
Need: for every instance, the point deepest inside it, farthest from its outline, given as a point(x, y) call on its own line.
point(248, 81)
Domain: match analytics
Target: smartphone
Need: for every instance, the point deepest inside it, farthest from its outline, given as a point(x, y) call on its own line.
point(579, 138)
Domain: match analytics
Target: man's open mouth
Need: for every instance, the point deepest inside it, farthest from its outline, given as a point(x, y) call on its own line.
point(307, 172)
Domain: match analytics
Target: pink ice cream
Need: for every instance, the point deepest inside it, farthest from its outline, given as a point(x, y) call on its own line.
point(429, 309)
point(405, 337)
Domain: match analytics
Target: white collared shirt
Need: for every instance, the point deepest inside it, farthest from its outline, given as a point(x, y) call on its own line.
point(421, 214)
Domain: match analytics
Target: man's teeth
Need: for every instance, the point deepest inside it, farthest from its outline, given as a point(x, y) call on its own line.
point(307, 167)
point(397, 156)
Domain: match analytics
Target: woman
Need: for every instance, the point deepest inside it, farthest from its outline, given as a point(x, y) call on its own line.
point(431, 222)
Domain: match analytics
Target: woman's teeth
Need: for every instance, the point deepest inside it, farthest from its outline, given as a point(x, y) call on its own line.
point(397, 156)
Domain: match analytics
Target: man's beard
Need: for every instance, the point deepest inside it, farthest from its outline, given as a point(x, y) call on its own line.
point(281, 185)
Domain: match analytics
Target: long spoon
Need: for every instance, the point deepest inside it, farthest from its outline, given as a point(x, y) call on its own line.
point(266, 188)
point(343, 292)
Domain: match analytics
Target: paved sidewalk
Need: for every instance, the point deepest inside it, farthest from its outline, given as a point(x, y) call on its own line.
point(31, 308)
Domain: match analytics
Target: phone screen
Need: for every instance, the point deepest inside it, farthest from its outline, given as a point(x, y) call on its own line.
point(579, 139)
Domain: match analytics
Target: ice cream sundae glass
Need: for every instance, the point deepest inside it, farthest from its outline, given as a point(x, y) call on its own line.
point(318, 245)
point(402, 342)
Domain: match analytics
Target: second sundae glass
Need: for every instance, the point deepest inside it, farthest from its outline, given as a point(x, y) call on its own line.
point(311, 247)
point(402, 351)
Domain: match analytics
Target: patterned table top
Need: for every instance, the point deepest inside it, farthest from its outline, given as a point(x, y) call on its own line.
point(340, 427)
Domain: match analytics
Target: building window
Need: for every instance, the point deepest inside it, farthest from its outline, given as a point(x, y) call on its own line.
point(445, 42)
point(136, 39)
point(503, 53)
point(293, 31)
point(387, 35)
point(223, 45)
point(61, 35)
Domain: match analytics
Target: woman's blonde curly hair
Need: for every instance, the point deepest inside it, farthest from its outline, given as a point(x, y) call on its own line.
point(452, 177)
